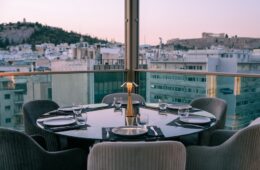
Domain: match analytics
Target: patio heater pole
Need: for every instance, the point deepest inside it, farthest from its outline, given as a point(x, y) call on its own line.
point(131, 38)
point(131, 53)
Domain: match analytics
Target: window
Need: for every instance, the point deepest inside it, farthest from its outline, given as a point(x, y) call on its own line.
point(8, 120)
point(7, 96)
point(7, 108)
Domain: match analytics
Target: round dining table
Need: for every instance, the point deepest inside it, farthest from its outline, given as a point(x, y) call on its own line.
point(104, 118)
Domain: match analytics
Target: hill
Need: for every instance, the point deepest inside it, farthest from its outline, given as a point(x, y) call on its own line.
point(36, 33)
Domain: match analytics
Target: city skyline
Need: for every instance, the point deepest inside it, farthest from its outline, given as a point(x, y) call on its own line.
point(165, 18)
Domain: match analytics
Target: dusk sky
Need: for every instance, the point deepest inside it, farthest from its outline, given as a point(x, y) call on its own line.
point(158, 18)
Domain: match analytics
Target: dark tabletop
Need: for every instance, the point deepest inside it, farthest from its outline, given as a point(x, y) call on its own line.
point(107, 117)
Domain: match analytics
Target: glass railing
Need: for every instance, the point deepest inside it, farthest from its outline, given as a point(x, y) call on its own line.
point(63, 88)
point(240, 91)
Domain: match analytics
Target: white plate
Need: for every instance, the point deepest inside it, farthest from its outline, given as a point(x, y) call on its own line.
point(66, 109)
point(176, 106)
point(59, 122)
point(134, 102)
point(152, 105)
point(195, 120)
point(96, 105)
point(129, 131)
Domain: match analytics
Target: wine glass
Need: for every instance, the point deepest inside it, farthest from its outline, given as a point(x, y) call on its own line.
point(183, 110)
point(118, 103)
point(77, 109)
point(162, 105)
point(142, 120)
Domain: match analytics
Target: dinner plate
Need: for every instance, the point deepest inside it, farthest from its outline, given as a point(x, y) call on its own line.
point(129, 131)
point(66, 109)
point(59, 122)
point(176, 106)
point(96, 105)
point(152, 105)
point(195, 120)
point(134, 102)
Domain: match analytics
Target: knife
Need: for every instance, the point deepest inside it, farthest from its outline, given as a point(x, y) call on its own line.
point(189, 125)
point(155, 133)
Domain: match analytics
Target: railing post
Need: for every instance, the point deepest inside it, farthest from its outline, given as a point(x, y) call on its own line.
point(131, 37)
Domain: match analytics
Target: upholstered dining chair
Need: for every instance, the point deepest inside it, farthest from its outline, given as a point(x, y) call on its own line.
point(33, 110)
point(221, 135)
point(166, 155)
point(240, 152)
point(19, 151)
point(108, 99)
point(215, 106)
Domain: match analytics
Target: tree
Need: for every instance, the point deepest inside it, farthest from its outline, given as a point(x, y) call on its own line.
point(226, 36)
point(33, 47)
point(7, 42)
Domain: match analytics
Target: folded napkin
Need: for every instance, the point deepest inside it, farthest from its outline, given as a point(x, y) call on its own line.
point(148, 136)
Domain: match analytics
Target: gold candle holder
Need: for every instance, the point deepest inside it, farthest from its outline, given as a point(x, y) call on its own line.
point(130, 113)
point(129, 109)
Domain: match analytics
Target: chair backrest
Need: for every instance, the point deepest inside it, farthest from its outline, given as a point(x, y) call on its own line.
point(216, 106)
point(19, 151)
point(108, 99)
point(166, 155)
point(240, 152)
point(244, 148)
point(33, 110)
point(255, 122)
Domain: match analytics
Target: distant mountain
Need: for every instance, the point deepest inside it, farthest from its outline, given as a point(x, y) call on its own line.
point(36, 33)
point(204, 43)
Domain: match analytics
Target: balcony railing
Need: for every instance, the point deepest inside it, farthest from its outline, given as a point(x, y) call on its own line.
point(241, 91)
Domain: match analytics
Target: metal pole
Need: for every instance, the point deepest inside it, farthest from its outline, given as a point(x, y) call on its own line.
point(131, 37)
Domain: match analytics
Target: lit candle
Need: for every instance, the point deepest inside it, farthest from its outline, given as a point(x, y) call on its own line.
point(129, 86)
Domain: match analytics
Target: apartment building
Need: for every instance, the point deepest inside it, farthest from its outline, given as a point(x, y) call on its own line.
point(242, 94)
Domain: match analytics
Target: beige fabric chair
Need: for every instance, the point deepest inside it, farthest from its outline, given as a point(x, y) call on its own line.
point(164, 155)
point(110, 97)
point(220, 136)
point(217, 107)
point(240, 152)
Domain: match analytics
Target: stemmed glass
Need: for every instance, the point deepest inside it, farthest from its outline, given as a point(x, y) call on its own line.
point(162, 105)
point(77, 109)
point(118, 103)
point(183, 111)
point(142, 120)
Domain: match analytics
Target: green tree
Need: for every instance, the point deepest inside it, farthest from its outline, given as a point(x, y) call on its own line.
point(7, 42)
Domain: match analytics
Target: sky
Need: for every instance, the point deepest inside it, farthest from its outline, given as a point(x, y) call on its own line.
point(158, 18)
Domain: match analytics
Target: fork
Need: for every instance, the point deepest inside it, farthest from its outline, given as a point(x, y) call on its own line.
point(107, 130)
